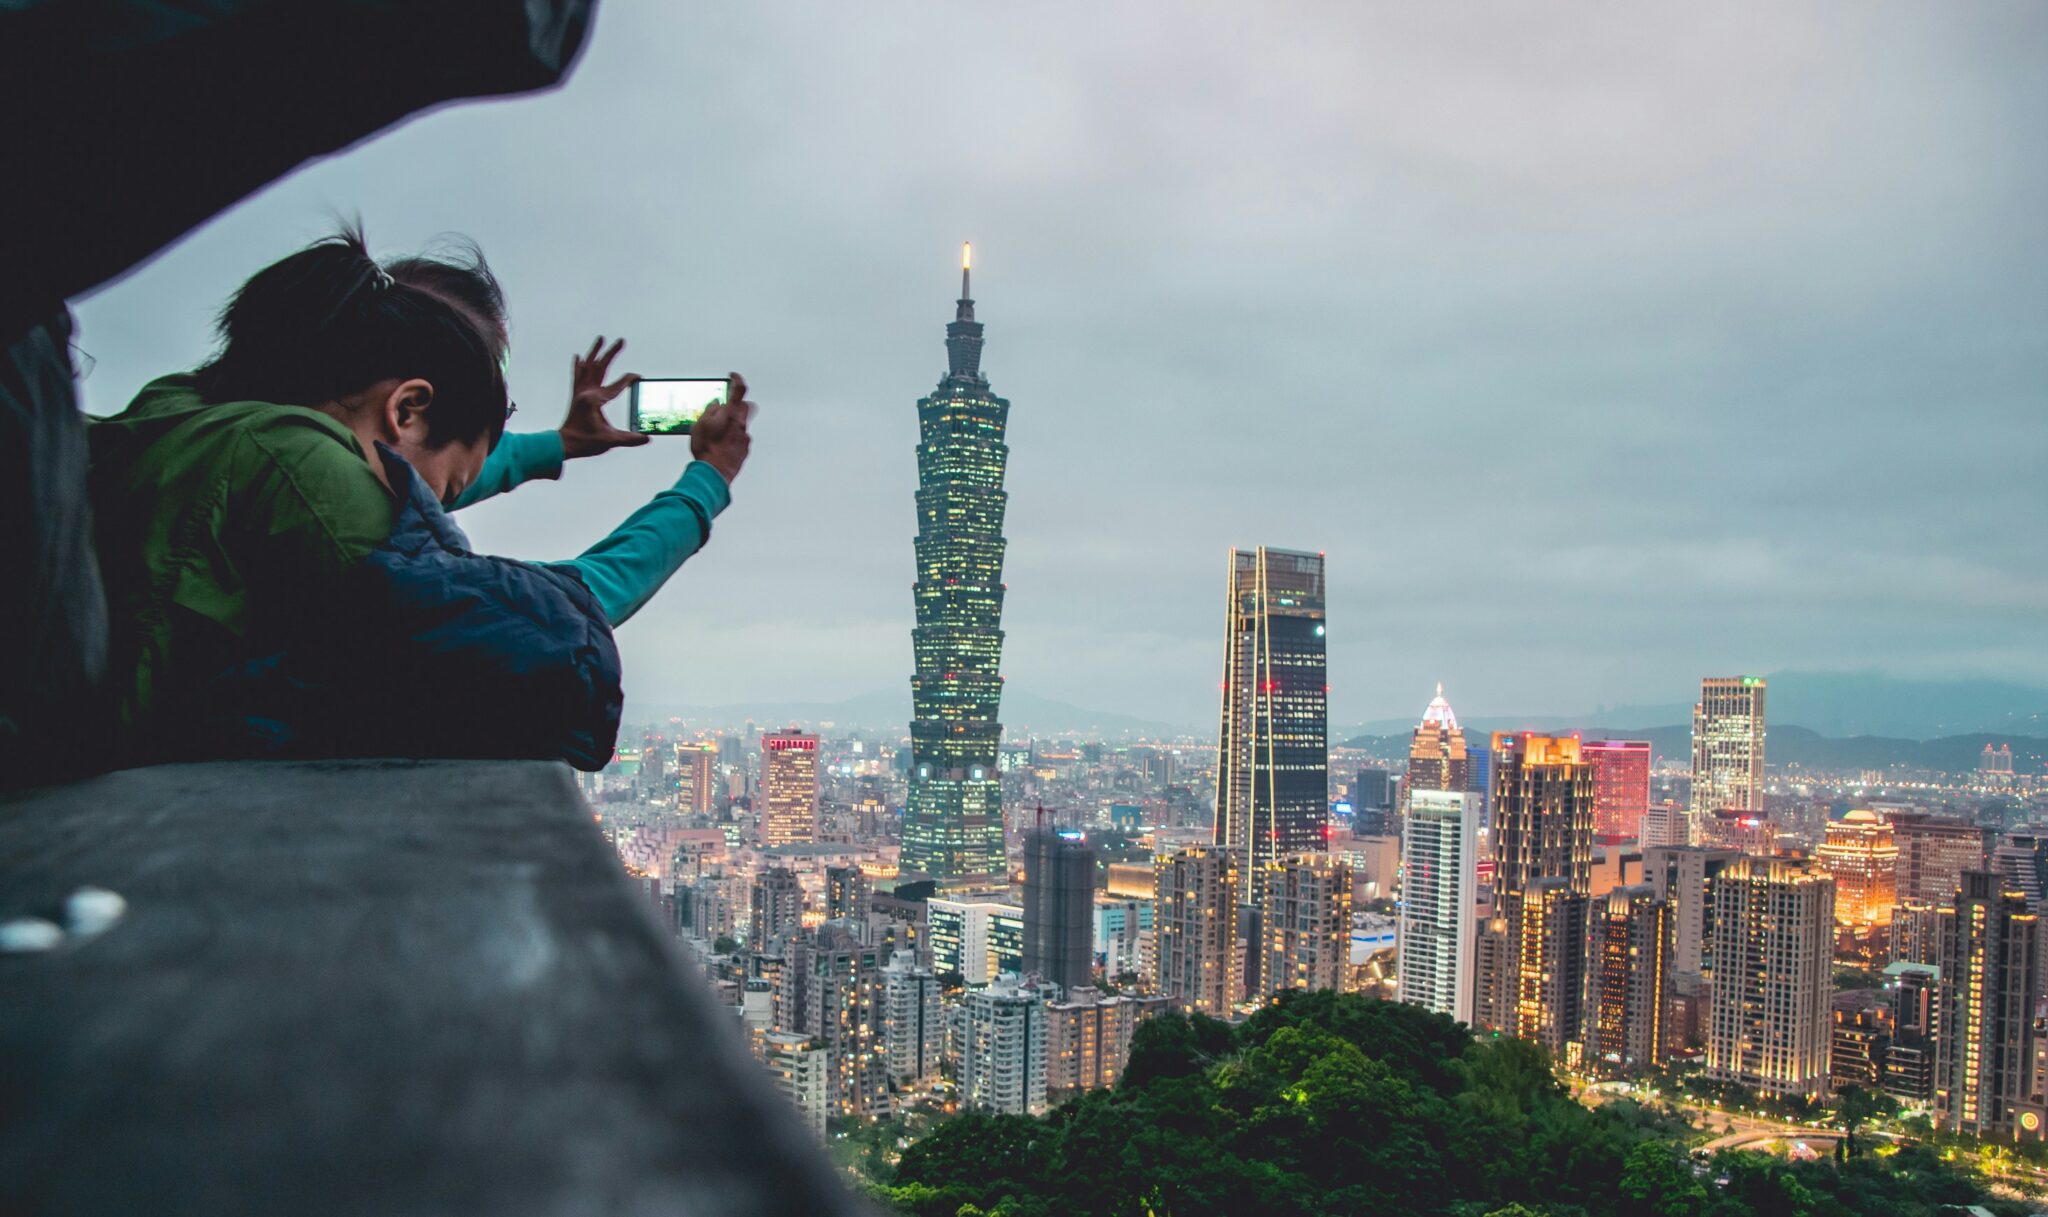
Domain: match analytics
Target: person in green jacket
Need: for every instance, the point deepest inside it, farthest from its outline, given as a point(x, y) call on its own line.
point(230, 503)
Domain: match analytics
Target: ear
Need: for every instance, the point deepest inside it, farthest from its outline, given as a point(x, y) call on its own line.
point(404, 412)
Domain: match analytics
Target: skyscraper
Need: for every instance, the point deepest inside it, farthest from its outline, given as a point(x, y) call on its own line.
point(1727, 748)
point(1772, 959)
point(1629, 981)
point(1273, 760)
point(1436, 756)
point(1439, 893)
point(1984, 1049)
point(789, 780)
point(1195, 946)
point(696, 777)
point(953, 822)
point(1621, 787)
point(1864, 859)
point(1306, 925)
point(1532, 963)
point(1059, 908)
point(1934, 851)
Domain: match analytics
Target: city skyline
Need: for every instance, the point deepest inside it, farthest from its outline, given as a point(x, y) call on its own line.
point(1687, 256)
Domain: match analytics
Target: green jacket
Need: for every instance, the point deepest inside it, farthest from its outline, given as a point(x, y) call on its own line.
point(250, 493)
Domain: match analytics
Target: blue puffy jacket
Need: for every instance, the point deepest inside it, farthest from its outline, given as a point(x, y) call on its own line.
point(429, 650)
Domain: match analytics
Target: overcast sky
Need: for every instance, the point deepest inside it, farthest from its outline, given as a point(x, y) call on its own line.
point(1598, 352)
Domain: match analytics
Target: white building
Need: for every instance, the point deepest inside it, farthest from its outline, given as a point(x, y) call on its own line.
point(913, 1032)
point(1121, 926)
point(1002, 1041)
point(802, 1068)
point(979, 938)
point(1439, 899)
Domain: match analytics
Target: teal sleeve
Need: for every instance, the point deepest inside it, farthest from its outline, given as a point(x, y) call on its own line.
point(516, 459)
point(629, 566)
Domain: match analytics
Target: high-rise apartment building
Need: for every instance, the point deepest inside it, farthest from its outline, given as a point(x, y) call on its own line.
point(913, 1030)
point(953, 822)
point(1003, 1048)
point(1437, 758)
point(1916, 1025)
point(1059, 907)
point(1123, 935)
point(1861, 854)
point(696, 778)
point(1088, 1039)
point(1272, 771)
point(1531, 959)
point(831, 988)
point(1439, 898)
point(777, 907)
point(1306, 925)
point(1984, 1047)
point(789, 781)
point(1621, 787)
point(1628, 981)
point(1727, 748)
point(1772, 962)
point(1195, 942)
point(847, 892)
point(1934, 851)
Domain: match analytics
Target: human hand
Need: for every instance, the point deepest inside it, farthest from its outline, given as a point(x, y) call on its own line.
point(719, 437)
point(586, 432)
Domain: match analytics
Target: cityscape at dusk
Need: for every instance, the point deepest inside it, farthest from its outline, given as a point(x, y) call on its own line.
point(1339, 610)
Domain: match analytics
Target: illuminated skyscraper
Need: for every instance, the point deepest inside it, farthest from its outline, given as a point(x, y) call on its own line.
point(1621, 787)
point(789, 780)
point(953, 822)
point(1772, 960)
point(1628, 981)
point(1273, 757)
point(1727, 748)
point(1532, 961)
point(696, 777)
point(1984, 1050)
point(1439, 895)
point(1436, 756)
point(1864, 859)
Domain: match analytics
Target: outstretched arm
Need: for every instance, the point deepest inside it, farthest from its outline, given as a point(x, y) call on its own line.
point(629, 566)
point(585, 432)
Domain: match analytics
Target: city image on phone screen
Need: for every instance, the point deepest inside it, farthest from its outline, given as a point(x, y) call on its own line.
point(671, 407)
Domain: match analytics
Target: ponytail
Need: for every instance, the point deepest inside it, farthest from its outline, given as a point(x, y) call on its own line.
point(329, 321)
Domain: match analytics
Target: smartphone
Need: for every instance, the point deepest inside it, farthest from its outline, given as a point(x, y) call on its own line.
point(672, 405)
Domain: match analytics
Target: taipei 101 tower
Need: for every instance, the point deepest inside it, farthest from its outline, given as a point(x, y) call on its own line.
point(953, 825)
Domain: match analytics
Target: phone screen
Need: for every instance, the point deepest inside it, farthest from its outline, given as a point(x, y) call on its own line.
point(671, 407)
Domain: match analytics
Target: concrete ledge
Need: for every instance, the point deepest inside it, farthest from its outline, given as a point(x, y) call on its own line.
point(376, 987)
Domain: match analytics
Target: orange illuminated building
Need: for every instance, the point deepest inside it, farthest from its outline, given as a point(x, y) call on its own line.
point(1436, 757)
point(1863, 858)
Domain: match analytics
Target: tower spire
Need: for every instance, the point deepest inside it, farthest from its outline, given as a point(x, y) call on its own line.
point(963, 336)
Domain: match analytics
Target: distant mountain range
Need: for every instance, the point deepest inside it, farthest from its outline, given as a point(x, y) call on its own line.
point(1834, 704)
point(1797, 747)
point(1823, 720)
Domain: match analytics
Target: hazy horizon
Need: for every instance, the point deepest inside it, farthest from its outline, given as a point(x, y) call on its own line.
point(1598, 354)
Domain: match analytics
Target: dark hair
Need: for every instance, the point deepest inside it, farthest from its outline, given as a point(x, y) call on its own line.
point(328, 321)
